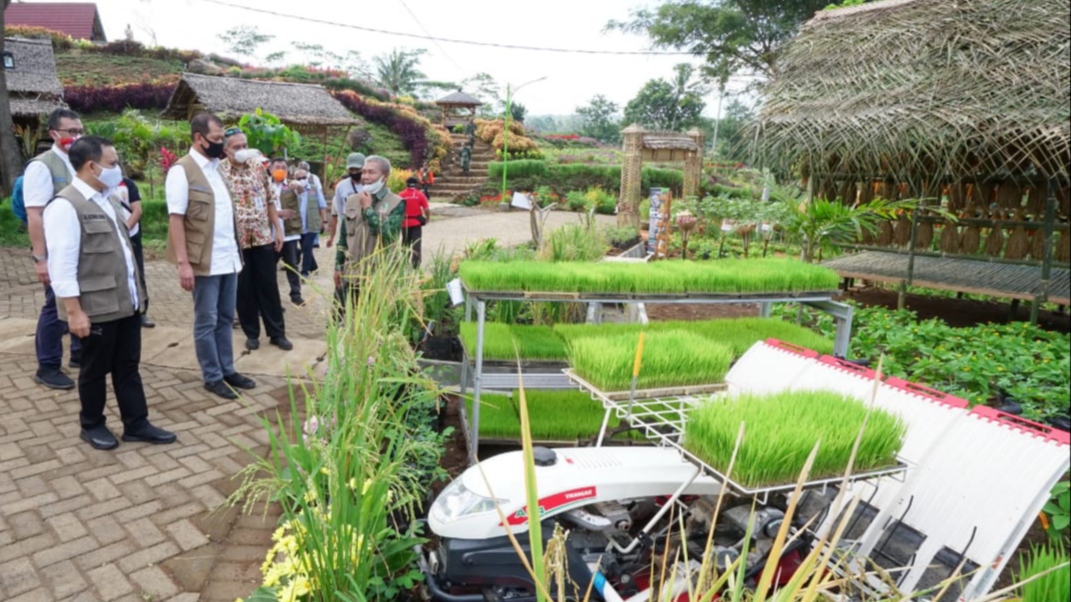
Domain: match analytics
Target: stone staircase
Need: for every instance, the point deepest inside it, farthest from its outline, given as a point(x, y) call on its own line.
point(451, 184)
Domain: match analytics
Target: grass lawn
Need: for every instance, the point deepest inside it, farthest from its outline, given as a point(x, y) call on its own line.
point(79, 69)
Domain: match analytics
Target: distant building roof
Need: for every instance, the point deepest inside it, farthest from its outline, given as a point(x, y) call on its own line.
point(460, 99)
point(33, 84)
point(80, 20)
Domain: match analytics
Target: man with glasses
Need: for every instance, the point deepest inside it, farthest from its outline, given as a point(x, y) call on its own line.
point(46, 175)
point(255, 201)
point(203, 244)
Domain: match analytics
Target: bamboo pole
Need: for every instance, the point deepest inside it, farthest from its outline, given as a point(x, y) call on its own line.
point(1046, 265)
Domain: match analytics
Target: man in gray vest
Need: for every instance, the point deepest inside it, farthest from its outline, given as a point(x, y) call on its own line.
point(46, 175)
point(348, 186)
point(95, 278)
point(202, 242)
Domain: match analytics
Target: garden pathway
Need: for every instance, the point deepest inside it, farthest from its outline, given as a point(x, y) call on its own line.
point(143, 522)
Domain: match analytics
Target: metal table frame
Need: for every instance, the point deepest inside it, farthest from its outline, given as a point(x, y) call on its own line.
point(821, 300)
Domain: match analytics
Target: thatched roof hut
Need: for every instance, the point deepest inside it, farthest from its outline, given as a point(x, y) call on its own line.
point(303, 106)
point(32, 83)
point(924, 90)
point(458, 108)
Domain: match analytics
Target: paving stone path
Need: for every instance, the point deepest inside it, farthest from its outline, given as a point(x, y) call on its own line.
point(144, 523)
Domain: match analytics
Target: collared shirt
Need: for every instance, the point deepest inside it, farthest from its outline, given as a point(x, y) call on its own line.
point(225, 258)
point(128, 194)
point(303, 199)
point(63, 235)
point(252, 195)
point(37, 188)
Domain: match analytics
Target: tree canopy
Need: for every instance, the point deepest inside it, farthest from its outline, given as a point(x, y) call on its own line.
point(600, 119)
point(732, 36)
point(669, 105)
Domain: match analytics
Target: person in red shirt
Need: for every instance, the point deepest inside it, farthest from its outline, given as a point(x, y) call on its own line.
point(416, 215)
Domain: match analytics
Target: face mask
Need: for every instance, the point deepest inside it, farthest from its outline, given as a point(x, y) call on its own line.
point(303, 182)
point(214, 150)
point(245, 154)
point(111, 177)
point(65, 143)
point(279, 175)
point(356, 177)
point(374, 187)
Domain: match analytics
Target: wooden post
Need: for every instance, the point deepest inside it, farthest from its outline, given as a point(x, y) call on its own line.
point(901, 300)
point(693, 164)
point(628, 213)
point(1046, 265)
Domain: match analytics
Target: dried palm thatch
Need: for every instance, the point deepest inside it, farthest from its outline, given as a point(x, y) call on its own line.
point(994, 243)
point(33, 85)
point(925, 90)
point(970, 240)
point(1018, 244)
point(949, 239)
point(924, 236)
point(231, 97)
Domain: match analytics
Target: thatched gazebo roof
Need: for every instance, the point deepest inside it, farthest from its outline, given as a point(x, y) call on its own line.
point(301, 105)
point(924, 90)
point(33, 85)
point(459, 99)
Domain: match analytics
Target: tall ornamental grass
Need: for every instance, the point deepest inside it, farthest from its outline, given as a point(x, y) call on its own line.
point(675, 277)
point(1046, 576)
point(351, 463)
point(670, 359)
point(782, 429)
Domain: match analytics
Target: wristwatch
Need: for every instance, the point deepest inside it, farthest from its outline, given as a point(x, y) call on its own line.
point(38, 258)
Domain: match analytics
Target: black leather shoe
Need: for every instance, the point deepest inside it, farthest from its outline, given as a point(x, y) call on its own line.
point(53, 379)
point(221, 389)
point(146, 322)
point(240, 382)
point(75, 363)
point(297, 300)
point(99, 437)
point(252, 343)
point(150, 434)
point(281, 343)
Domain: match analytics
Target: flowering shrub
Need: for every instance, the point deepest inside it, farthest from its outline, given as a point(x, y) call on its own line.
point(424, 141)
point(116, 99)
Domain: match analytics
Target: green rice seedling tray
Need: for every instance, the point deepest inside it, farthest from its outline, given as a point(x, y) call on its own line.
point(671, 359)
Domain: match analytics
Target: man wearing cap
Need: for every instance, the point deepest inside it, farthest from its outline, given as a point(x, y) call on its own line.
point(349, 185)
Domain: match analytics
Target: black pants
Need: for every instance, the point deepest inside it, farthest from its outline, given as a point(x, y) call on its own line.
point(258, 294)
point(411, 237)
point(291, 257)
point(139, 257)
point(308, 256)
point(112, 348)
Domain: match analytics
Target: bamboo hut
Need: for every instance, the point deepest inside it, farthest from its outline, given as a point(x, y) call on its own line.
point(33, 87)
point(965, 103)
point(310, 109)
point(458, 108)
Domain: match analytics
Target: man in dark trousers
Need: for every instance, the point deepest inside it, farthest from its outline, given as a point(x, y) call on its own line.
point(255, 201)
point(46, 175)
point(95, 278)
point(203, 245)
point(416, 215)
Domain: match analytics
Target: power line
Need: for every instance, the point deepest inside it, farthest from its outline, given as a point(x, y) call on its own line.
point(460, 69)
point(446, 40)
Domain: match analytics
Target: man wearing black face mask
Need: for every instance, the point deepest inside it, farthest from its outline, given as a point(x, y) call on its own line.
point(203, 243)
point(349, 185)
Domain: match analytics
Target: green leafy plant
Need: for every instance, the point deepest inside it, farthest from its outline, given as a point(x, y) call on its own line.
point(622, 236)
point(573, 242)
point(267, 133)
point(781, 430)
point(823, 224)
point(670, 359)
point(1058, 509)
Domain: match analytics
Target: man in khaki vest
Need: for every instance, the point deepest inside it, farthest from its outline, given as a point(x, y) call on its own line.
point(203, 243)
point(95, 278)
point(47, 174)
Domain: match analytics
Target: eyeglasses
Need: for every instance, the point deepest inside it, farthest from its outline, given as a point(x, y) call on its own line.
point(227, 133)
point(72, 131)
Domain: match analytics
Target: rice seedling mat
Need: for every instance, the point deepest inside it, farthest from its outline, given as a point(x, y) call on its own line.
point(662, 421)
point(663, 392)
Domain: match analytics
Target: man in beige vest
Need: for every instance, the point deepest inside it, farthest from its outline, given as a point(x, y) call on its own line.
point(203, 243)
point(95, 279)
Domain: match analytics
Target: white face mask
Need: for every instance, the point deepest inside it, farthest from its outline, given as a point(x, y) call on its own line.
point(244, 155)
point(111, 177)
point(374, 187)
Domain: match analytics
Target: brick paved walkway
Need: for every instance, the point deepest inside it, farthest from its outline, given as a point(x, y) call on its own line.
point(142, 523)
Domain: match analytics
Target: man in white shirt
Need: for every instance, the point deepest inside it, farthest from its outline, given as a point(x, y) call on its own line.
point(46, 175)
point(203, 245)
point(94, 276)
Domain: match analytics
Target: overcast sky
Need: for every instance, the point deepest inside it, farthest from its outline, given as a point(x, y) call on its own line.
point(572, 79)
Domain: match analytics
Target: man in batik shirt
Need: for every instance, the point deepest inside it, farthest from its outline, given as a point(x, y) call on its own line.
point(255, 210)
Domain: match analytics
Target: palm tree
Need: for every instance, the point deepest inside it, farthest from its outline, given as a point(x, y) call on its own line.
point(399, 72)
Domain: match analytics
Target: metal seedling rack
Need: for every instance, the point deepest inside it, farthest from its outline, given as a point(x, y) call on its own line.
point(477, 300)
point(662, 421)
